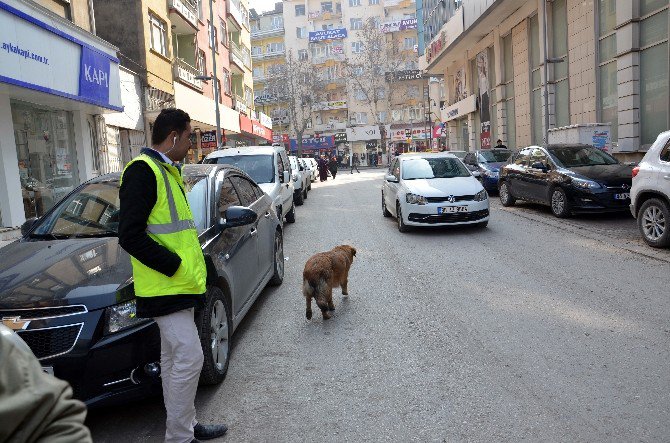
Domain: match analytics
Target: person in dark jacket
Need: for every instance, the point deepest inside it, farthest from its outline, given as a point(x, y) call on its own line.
point(156, 228)
point(332, 166)
point(323, 169)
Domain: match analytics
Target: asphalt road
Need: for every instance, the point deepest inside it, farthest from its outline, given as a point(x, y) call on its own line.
point(532, 329)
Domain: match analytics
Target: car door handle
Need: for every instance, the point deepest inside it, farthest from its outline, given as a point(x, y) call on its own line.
point(253, 231)
point(267, 214)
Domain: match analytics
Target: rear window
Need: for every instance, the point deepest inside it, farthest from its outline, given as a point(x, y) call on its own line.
point(495, 156)
point(259, 167)
point(572, 156)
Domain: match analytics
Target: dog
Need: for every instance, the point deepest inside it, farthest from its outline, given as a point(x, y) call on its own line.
point(323, 272)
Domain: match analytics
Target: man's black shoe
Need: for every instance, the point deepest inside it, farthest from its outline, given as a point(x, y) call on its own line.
point(208, 432)
point(195, 440)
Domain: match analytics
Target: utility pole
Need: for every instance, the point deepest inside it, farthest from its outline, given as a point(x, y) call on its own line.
point(213, 43)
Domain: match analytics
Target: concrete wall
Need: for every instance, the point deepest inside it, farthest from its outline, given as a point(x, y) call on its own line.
point(582, 61)
point(521, 83)
point(79, 13)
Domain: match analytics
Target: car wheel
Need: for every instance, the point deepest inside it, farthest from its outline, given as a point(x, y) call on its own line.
point(559, 203)
point(299, 199)
point(215, 329)
point(506, 198)
point(278, 276)
point(290, 217)
point(653, 220)
point(384, 210)
point(402, 227)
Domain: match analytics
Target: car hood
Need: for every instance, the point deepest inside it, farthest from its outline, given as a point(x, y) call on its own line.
point(609, 174)
point(93, 272)
point(438, 187)
point(494, 167)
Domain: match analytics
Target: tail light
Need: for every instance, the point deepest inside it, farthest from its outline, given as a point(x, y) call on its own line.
point(636, 170)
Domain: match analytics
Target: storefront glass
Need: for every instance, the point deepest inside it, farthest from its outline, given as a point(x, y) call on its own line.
point(46, 152)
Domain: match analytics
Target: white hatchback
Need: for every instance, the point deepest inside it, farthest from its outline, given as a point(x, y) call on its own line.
point(650, 193)
point(433, 190)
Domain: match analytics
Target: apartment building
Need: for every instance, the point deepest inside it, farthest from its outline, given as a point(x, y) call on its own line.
point(268, 51)
point(57, 78)
point(325, 34)
point(608, 65)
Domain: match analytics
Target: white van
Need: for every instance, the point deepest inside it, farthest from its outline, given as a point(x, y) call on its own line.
point(268, 166)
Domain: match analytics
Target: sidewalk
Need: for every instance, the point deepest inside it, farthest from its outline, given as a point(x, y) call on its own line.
point(8, 235)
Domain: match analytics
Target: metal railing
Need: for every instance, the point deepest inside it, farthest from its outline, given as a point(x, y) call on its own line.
point(236, 55)
point(187, 73)
point(187, 8)
point(262, 33)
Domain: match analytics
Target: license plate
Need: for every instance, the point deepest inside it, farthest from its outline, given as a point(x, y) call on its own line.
point(450, 209)
point(624, 196)
point(48, 369)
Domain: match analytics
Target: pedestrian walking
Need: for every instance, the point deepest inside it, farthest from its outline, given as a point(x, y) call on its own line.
point(332, 166)
point(354, 164)
point(156, 228)
point(500, 145)
point(323, 169)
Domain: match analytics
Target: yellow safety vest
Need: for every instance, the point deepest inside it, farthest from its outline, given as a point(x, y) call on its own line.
point(171, 225)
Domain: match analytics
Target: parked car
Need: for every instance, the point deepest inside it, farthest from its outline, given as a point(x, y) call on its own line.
point(433, 190)
point(300, 180)
point(650, 193)
point(568, 178)
point(459, 154)
point(313, 168)
point(269, 167)
point(66, 286)
point(487, 162)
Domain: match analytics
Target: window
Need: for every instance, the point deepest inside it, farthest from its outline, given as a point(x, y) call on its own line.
point(244, 189)
point(359, 118)
point(356, 24)
point(508, 92)
point(358, 70)
point(200, 63)
point(373, 2)
point(301, 32)
point(665, 153)
point(559, 49)
point(258, 72)
point(608, 97)
point(354, 3)
point(382, 116)
point(256, 50)
point(654, 91)
point(413, 91)
point(380, 93)
point(224, 34)
point(535, 81)
point(410, 42)
point(227, 196)
point(158, 35)
point(327, 6)
point(227, 83)
point(213, 39)
point(274, 47)
point(277, 22)
point(359, 94)
point(356, 47)
point(302, 55)
point(299, 10)
point(248, 96)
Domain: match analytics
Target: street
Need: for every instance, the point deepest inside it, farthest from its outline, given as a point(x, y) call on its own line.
point(533, 329)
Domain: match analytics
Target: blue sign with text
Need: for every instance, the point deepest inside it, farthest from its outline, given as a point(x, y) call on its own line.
point(94, 76)
point(328, 34)
point(326, 141)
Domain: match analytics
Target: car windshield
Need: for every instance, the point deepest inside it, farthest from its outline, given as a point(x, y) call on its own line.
point(258, 167)
point(93, 211)
point(494, 156)
point(571, 156)
point(439, 167)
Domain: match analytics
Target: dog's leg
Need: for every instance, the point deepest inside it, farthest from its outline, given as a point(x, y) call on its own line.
point(329, 297)
point(345, 289)
point(308, 310)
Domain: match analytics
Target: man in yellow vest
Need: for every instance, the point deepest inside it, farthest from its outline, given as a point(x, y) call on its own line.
point(156, 228)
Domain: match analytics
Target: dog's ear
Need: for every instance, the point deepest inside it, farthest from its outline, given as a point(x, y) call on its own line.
point(353, 251)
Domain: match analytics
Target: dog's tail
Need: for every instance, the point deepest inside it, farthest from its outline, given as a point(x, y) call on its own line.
point(315, 290)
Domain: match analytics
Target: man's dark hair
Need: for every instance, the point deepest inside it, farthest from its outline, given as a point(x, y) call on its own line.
point(169, 120)
point(499, 140)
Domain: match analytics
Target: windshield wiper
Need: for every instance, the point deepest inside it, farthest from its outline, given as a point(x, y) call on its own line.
point(97, 234)
point(51, 236)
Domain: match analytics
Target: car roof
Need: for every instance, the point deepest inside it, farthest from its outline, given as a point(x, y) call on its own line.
point(189, 170)
point(245, 150)
point(413, 155)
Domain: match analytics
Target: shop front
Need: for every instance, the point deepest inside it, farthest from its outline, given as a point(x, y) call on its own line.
point(55, 80)
point(315, 146)
point(251, 133)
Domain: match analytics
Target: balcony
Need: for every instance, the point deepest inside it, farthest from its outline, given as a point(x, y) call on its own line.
point(184, 15)
point(186, 73)
point(334, 83)
point(389, 4)
point(262, 78)
point(328, 60)
point(235, 12)
point(331, 105)
point(265, 33)
point(325, 15)
point(239, 104)
point(334, 126)
point(236, 58)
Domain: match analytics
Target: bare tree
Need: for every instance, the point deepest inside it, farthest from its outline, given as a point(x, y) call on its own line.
point(298, 88)
point(380, 58)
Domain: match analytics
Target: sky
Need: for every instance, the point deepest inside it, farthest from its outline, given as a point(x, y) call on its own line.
point(262, 5)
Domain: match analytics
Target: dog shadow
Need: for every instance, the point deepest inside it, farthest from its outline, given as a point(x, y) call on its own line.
point(341, 309)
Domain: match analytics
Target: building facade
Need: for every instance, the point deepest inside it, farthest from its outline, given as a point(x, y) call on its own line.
point(56, 79)
point(608, 65)
point(326, 34)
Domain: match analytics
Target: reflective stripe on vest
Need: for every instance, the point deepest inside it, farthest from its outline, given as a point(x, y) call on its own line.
point(175, 224)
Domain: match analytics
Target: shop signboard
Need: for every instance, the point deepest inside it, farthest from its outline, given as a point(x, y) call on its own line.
point(325, 141)
point(399, 25)
point(452, 29)
point(340, 137)
point(39, 56)
point(260, 130)
point(363, 133)
point(399, 76)
point(460, 108)
point(245, 124)
point(398, 135)
point(208, 140)
point(327, 34)
point(439, 130)
point(265, 120)
point(330, 105)
point(484, 113)
point(420, 133)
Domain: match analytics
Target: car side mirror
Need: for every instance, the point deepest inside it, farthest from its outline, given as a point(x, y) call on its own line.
point(540, 166)
point(28, 225)
point(286, 177)
point(475, 173)
point(237, 216)
point(391, 178)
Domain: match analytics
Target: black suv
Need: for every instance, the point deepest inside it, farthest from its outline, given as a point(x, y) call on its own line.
point(568, 178)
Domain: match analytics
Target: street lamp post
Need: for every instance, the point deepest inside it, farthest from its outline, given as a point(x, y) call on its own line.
point(213, 77)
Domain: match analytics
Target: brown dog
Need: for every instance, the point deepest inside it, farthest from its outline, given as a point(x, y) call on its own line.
point(323, 272)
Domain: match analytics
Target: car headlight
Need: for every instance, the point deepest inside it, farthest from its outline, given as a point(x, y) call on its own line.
point(120, 317)
point(415, 199)
point(585, 184)
point(481, 195)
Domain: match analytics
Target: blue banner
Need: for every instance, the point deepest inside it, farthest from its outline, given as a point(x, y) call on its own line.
point(327, 141)
point(328, 34)
point(94, 76)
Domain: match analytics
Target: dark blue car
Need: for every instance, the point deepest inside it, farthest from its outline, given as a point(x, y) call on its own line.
point(488, 162)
